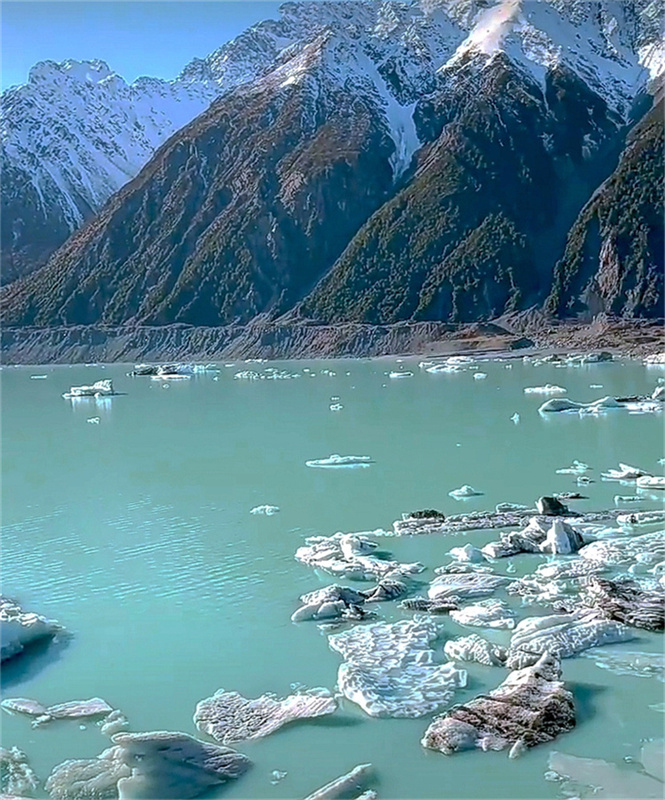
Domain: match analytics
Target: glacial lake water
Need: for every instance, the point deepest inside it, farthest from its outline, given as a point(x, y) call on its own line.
point(135, 533)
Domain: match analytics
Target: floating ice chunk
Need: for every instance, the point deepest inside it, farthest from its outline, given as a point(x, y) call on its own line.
point(277, 775)
point(93, 420)
point(651, 482)
point(397, 375)
point(485, 614)
point(480, 376)
point(390, 669)
point(563, 635)
point(595, 386)
point(336, 406)
point(229, 717)
point(336, 460)
point(624, 473)
point(622, 498)
point(347, 785)
point(465, 584)
point(38, 377)
point(547, 389)
point(19, 628)
point(641, 518)
point(463, 492)
point(563, 404)
point(578, 468)
point(171, 376)
point(475, 648)
point(268, 511)
point(503, 508)
point(102, 388)
point(467, 553)
point(515, 418)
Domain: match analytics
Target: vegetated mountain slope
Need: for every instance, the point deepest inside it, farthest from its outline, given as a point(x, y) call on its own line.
point(614, 259)
point(77, 132)
point(307, 173)
point(239, 214)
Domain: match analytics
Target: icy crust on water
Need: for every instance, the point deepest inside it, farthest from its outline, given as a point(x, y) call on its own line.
point(633, 663)
point(390, 670)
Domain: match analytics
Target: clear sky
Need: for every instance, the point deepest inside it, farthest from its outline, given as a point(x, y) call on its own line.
point(134, 37)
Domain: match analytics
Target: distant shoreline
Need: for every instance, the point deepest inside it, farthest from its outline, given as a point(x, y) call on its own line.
point(301, 340)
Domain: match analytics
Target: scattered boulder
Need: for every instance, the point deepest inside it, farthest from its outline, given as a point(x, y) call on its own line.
point(530, 707)
point(229, 717)
point(148, 765)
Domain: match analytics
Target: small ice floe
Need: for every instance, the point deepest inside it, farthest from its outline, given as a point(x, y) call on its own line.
point(267, 511)
point(480, 376)
point(549, 388)
point(624, 473)
point(464, 492)
point(93, 420)
point(558, 404)
point(335, 461)
point(98, 389)
point(467, 553)
point(651, 482)
point(506, 508)
point(584, 480)
point(515, 418)
point(619, 499)
point(38, 377)
point(661, 461)
point(577, 468)
point(397, 375)
point(485, 614)
point(595, 386)
point(336, 406)
point(277, 775)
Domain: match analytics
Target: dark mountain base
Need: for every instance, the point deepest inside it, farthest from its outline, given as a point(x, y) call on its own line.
point(527, 334)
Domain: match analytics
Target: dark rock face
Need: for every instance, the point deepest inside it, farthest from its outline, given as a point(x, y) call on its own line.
point(614, 260)
point(530, 707)
point(237, 215)
point(475, 231)
point(625, 601)
point(551, 507)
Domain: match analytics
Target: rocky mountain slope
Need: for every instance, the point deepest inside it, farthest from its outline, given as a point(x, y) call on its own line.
point(368, 162)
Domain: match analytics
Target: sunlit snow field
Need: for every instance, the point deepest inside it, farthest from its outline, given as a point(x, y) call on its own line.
point(136, 534)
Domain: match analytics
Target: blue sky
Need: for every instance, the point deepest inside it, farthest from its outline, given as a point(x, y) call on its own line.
point(135, 37)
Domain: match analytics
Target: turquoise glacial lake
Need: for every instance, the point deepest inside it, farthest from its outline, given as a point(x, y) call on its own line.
point(136, 534)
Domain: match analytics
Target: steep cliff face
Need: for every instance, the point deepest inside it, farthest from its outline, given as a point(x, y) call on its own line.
point(614, 258)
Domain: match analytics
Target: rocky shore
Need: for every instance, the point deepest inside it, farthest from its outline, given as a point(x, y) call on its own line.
point(520, 334)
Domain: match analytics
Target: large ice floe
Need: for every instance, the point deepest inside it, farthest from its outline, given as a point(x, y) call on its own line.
point(351, 785)
point(336, 461)
point(464, 584)
point(626, 601)
point(647, 548)
point(563, 635)
point(651, 482)
point(229, 717)
point(98, 389)
point(488, 613)
point(547, 389)
point(391, 670)
point(19, 628)
point(148, 765)
point(16, 775)
point(530, 707)
point(351, 556)
point(624, 473)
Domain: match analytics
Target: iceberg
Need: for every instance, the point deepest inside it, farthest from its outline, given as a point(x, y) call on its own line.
point(390, 670)
point(102, 388)
point(267, 511)
point(336, 461)
point(547, 389)
point(464, 492)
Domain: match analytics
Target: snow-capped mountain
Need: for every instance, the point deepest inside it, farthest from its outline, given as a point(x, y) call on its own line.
point(373, 161)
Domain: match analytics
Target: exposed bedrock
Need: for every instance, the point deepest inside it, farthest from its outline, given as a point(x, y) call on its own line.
point(229, 717)
point(530, 707)
point(141, 766)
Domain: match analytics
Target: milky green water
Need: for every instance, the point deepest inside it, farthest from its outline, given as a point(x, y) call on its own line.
point(136, 535)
